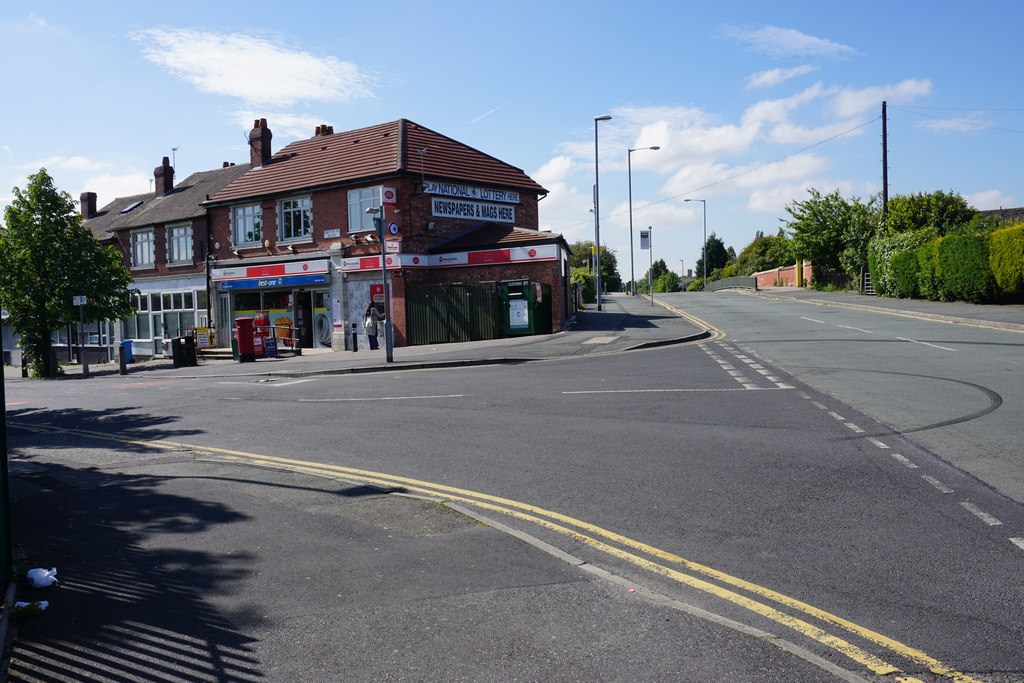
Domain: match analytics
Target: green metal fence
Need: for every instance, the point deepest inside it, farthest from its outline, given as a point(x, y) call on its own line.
point(437, 314)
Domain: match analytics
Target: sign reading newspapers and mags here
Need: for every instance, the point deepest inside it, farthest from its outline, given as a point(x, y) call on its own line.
point(456, 208)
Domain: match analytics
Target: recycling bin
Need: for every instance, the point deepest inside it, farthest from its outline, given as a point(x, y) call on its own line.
point(127, 346)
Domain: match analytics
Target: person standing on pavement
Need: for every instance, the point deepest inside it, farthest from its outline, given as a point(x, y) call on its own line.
point(371, 324)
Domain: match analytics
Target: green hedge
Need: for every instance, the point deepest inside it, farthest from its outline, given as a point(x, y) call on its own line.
point(1006, 259)
point(929, 277)
point(963, 262)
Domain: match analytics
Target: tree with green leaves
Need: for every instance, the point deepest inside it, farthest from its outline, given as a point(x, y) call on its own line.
point(715, 252)
point(581, 256)
point(765, 253)
point(939, 210)
point(46, 258)
point(832, 232)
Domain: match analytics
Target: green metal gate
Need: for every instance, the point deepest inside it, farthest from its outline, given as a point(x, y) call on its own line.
point(437, 314)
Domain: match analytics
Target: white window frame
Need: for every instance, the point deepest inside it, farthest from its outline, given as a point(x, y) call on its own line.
point(246, 221)
point(291, 212)
point(179, 246)
point(143, 245)
point(359, 200)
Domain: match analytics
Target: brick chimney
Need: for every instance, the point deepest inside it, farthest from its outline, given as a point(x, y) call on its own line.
point(164, 177)
point(87, 200)
point(259, 143)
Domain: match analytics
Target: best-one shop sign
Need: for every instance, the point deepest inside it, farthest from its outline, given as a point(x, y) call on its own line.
point(454, 208)
point(272, 275)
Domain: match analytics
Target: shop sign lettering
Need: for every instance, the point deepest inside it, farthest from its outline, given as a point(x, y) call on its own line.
point(469, 192)
point(451, 208)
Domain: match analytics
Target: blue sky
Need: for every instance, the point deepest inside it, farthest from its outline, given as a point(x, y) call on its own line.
point(751, 103)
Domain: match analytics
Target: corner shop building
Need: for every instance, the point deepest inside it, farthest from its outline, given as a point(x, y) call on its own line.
point(292, 237)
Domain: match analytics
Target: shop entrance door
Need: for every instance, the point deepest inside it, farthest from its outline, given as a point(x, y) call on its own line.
point(303, 318)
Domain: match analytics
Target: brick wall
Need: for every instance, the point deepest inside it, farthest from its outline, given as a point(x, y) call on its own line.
point(783, 277)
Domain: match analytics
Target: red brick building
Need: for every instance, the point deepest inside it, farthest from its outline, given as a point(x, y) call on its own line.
point(292, 236)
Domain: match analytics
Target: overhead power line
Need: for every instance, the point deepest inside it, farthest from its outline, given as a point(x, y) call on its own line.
point(735, 175)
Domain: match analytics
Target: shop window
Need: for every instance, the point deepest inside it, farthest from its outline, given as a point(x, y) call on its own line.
point(247, 224)
point(358, 202)
point(142, 248)
point(296, 218)
point(179, 244)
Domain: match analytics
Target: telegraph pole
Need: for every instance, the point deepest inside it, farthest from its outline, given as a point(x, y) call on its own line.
point(885, 165)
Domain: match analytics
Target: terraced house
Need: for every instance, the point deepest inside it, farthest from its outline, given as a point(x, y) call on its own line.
point(163, 237)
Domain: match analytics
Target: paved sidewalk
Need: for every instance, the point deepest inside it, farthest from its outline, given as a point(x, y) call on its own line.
point(624, 323)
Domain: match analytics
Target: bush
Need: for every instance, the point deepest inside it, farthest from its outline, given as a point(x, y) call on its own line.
point(963, 262)
point(904, 274)
point(929, 278)
point(696, 286)
point(583, 276)
point(1006, 259)
point(881, 251)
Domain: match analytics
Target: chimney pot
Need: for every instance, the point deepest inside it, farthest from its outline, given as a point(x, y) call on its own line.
point(259, 143)
point(163, 175)
point(88, 204)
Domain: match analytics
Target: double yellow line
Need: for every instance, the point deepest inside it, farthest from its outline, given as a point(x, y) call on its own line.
point(664, 563)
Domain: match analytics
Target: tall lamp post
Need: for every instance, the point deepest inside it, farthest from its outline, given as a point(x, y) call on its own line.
point(597, 215)
point(629, 177)
point(378, 224)
point(704, 249)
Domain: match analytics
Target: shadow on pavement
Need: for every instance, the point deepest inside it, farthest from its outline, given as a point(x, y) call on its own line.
point(121, 605)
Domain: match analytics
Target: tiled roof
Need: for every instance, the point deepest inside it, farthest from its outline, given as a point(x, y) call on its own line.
point(493, 236)
point(181, 203)
point(377, 151)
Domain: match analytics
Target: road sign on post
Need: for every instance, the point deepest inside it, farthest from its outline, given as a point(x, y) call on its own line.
point(80, 301)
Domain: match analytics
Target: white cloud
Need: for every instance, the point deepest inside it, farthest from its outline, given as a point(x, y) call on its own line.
point(555, 170)
point(251, 68)
point(990, 199)
point(717, 178)
point(970, 123)
point(109, 187)
point(77, 163)
point(766, 79)
point(786, 42)
point(850, 102)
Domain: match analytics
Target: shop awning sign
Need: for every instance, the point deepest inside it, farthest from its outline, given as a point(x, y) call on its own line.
point(276, 281)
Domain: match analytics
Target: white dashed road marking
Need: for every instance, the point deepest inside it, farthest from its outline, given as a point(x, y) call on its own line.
point(983, 516)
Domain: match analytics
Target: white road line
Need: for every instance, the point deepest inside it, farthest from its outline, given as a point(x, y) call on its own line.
point(934, 346)
point(847, 327)
point(837, 416)
point(818, 404)
point(903, 461)
point(660, 391)
point(942, 488)
point(878, 443)
point(983, 516)
point(1019, 542)
point(378, 398)
point(820, 322)
point(854, 428)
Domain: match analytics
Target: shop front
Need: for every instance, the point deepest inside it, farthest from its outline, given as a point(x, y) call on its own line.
point(290, 302)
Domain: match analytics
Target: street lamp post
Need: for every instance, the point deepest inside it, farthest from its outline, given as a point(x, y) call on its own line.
point(597, 215)
point(378, 224)
point(629, 178)
point(704, 249)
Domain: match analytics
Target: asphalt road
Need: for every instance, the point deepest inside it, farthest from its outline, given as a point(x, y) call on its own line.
point(795, 474)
